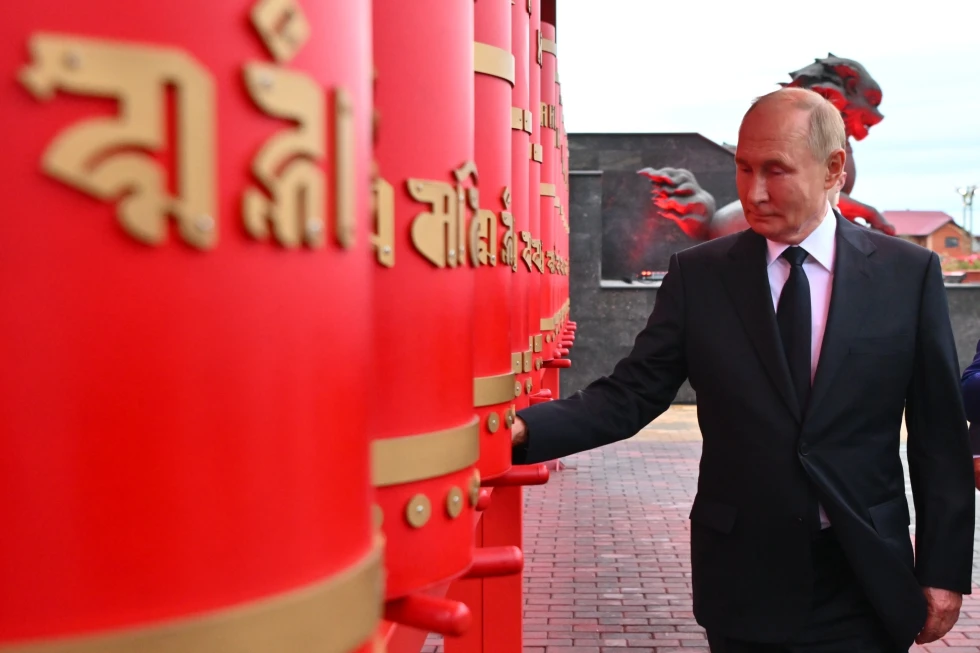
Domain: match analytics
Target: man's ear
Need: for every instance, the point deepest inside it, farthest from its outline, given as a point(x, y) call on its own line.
point(835, 168)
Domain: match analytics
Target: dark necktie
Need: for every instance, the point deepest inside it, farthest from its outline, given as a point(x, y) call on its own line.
point(793, 317)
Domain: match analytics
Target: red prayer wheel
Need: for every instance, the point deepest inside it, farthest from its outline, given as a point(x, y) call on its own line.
point(562, 226)
point(531, 251)
point(521, 341)
point(548, 193)
point(184, 468)
point(425, 429)
point(492, 234)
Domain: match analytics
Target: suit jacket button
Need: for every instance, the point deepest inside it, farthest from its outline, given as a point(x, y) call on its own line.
point(804, 450)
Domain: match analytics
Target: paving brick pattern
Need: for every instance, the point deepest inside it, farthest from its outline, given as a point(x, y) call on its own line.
point(607, 565)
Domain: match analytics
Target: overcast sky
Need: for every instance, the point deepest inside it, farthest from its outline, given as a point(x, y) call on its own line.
point(696, 65)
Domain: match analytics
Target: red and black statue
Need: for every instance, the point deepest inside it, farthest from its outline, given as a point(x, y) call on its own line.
point(846, 84)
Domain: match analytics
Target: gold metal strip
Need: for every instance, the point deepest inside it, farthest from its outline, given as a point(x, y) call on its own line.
point(516, 363)
point(538, 343)
point(520, 119)
point(493, 390)
point(491, 60)
point(516, 118)
point(548, 324)
point(537, 153)
point(336, 615)
point(428, 455)
point(556, 80)
point(547, 190)
point(549, 46)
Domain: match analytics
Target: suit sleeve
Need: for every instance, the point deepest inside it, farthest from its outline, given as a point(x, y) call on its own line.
point(616, 407)
point(940, 465)
point(970, 386)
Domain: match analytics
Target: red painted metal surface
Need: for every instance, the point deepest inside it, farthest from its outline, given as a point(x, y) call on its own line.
point(523, 268)
point(548, 191)
point(522, 475)
point(431, 613)
point(496, 561)
point(531, 246)
point(423, 304)
point(491, 328)
point(174, 434)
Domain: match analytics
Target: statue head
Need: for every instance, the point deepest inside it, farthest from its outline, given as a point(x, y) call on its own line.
point(848, 86)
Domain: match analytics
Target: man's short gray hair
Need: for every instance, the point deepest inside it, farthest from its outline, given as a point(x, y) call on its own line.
point(826, 131)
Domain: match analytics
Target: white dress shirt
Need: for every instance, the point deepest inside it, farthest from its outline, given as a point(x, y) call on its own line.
point(819, 268)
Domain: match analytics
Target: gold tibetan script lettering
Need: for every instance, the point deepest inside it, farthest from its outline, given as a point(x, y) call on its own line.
point(383, 207)
point(483, 238)
point(551, 261)
point(92, 156)
point(440, 234)
point(282, 26)
point(289, 164)
point(344, 165)
point(509, 254)
point(538, 257)
point(527, 254)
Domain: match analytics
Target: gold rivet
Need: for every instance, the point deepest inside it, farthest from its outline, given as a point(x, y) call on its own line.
point(418, 511)
point(529, 386)
point(454, 502)
point(493, 422)
point(509, 419)
point(517, 389)
point(378, 514)
point(537, 364)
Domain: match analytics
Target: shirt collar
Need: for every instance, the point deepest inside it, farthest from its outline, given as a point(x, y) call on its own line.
point(820, 244)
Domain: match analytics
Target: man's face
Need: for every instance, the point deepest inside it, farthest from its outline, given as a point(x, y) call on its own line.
point(782, 187)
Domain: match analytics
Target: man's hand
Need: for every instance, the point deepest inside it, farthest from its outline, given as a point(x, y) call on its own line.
point(976, 472)
point(943, 611)
point(518, 432)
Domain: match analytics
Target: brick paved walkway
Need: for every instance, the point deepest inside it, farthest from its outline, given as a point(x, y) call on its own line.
point(607, 552)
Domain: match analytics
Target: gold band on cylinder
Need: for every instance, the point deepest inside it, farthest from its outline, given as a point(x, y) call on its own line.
point(336, 615)
point(411, 458)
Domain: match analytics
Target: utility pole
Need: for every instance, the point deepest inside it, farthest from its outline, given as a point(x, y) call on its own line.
point(966, 192)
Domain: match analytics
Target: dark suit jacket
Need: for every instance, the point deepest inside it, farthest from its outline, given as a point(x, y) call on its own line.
point(888, 347)
point(970, 384)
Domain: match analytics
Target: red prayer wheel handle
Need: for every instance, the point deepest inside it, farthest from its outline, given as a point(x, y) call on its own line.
point(495, 561)
point(561, 351)
point(521, 475)
point(535, 400)
point(558, 363)
point(430, 613)
point(486, 495)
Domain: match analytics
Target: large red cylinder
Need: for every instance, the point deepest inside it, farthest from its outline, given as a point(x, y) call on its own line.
point(547, 188)
point(521, 341)
point(495, 373)
point(562, 225)
point(530, 245)
point(424, 424)
point(183, 451)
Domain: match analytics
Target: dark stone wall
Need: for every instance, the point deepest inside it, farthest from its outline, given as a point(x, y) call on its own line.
point(609, 318)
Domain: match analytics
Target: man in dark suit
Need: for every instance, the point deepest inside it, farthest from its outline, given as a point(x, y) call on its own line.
point(805, 339)
point(970, 384)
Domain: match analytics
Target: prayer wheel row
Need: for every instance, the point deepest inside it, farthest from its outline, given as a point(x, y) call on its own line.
point(276, 276)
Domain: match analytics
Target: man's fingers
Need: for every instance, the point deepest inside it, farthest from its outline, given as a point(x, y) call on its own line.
point(936, 626)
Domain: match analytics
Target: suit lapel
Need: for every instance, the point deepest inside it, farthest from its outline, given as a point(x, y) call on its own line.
point(747, 281)
point(851, 293)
